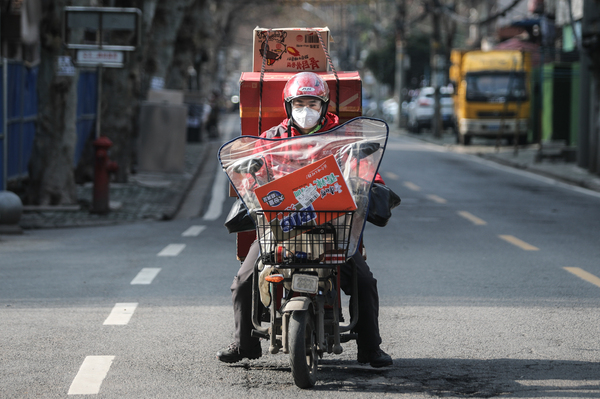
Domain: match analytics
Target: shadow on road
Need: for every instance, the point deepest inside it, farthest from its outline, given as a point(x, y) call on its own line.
point(527, 378)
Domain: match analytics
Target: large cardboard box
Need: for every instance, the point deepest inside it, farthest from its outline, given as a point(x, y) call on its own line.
point(350, 102)
point(290, 50)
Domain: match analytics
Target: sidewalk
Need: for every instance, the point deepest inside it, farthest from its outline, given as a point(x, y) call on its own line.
point(145, 197)
point(525, 158)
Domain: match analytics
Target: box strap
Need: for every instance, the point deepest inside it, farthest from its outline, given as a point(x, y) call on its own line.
point(337, 80)
point(260, 85)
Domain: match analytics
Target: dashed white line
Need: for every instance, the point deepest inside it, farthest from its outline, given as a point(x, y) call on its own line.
point(412, 186)
point(193, 231)
point(391, 175)
point(215, 207)
point(172, 250)
point(519, 243)
point(436, 198)
point(474, 219)
point(589, 277)
point(90, 375)
point(121, 314)
point(145, 276)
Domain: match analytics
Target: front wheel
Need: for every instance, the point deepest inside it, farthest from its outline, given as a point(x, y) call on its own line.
point(303, 349)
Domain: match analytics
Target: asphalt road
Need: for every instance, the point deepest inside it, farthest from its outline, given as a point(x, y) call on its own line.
point(487, 280)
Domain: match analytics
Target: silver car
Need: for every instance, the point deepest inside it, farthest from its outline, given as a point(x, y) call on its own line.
point(421, 108)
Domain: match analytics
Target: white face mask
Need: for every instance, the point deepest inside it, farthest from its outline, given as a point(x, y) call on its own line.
point(305, 117)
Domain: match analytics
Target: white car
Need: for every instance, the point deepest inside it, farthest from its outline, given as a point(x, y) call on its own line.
point(421, 108)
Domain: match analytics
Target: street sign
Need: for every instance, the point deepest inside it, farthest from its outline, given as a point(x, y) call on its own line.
point(105, 28)
point(105, 58)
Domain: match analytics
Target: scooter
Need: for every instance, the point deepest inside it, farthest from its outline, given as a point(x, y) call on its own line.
point(297, 191)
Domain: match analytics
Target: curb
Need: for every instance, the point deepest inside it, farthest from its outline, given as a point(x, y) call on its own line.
point(576, 176)
point(178, 202)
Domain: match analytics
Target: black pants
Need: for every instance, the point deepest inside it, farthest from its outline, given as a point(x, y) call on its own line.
point(367, 327)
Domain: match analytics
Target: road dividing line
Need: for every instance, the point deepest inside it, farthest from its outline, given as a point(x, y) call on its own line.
point(521, 244)
point(121, 314)
point(171, 250)
point(412, 186)
point(391, 175)
point(474, 219)
point(437, 199)
point(145, 276)
point(215, 208)
point(589, 277)
point(90, 375)
point(193, 231)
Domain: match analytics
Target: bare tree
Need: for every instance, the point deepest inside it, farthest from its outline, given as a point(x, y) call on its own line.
point(51, 175)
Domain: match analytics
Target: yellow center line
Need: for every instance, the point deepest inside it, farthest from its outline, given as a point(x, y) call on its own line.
point(391, 175)
point(589, 277)
point(521, 244)
point(412, 186)
point(474, 219)
point(437, 199)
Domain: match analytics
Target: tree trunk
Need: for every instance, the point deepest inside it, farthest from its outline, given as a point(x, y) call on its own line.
point(160, 46)
point(51, 175)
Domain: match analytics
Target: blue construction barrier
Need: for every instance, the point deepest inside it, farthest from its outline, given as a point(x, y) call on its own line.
point(21, 118)
point(86, 110)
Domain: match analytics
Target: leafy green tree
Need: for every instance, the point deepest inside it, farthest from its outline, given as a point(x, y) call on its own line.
point(382, 62)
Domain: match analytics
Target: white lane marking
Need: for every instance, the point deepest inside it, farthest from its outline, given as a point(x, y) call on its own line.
point(90, 375)
point(579, 272)
point(412, 186)
point(120, 314)
point(171, 250)
point(217, 198)
point(519, 243)
point(391, 175)
point(474, 219)
point(437, 199)
point(146, 275)
point(193, 231)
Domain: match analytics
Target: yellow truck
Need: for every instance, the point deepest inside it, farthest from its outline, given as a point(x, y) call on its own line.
point(491, 94)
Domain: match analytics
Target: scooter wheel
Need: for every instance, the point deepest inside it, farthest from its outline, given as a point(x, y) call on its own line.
point(303, 348)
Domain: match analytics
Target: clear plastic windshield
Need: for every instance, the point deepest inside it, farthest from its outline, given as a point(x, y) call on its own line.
point(255, 165)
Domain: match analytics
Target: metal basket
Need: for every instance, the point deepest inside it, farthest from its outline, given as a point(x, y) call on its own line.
point(304, 238)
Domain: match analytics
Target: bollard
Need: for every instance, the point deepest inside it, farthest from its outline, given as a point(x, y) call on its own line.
point(11, 209)
point(102, 169)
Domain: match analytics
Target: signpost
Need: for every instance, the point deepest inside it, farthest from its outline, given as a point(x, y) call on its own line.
point(101, 35)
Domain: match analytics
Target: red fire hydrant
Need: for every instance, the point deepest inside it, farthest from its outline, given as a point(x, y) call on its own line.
point(102, 169)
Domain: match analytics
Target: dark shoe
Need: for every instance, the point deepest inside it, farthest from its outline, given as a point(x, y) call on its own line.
point(233, 353)
point(376, 358)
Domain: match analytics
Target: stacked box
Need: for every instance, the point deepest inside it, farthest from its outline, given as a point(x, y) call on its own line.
point(290, 50)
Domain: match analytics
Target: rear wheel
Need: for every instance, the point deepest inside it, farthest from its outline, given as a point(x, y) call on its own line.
point(303, 349)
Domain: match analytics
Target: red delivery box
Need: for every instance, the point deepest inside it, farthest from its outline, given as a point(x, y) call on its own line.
point(270, 104)
point(290, 49)
point(319, 186)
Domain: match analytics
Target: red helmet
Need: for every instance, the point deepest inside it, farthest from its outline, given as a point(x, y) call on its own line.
point(305, 84)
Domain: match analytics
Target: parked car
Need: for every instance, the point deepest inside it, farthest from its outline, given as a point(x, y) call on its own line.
point(421, 108)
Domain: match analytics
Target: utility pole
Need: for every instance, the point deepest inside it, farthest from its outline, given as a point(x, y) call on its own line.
point(400, 56)
point(436, 61)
